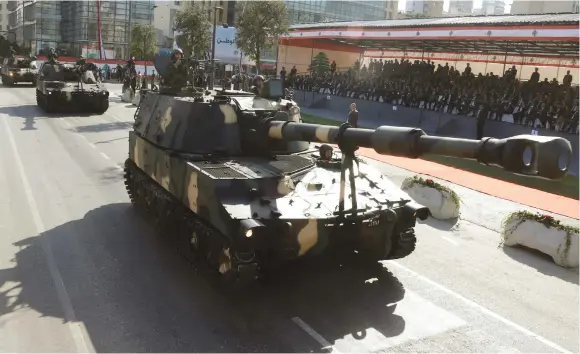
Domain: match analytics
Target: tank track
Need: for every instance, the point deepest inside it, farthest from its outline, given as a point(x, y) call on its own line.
point(201, 244)
point(197, 242)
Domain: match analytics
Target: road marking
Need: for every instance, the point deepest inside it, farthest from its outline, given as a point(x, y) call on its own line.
point(118, 119)
point(78, 329)
point(85, 138)
point(450, 240)
point(105, 156)
point(65, 122)
point(93, 145)
point(482, 309)
point(312, 333)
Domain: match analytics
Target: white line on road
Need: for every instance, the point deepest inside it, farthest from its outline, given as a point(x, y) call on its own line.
point(482, 309)
point(93, 145)
point(450, 240)
point(312, 333)
point(84, 138)
point(117, 118)
point(105, 156)
point(65, 122)
point(78, 330)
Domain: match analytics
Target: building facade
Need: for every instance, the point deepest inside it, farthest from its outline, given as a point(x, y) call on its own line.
point(3, 17)
point(316, 11)
point(492, 7)
point(429, 8)
point(460, 7)
point(528, 7)
point(72, 26)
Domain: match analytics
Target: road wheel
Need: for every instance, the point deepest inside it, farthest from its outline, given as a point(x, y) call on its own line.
point(50, 105)
point(7, 81)
point(102, 105)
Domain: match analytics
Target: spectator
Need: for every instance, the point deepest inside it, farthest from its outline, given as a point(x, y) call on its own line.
point(444, 89)
point(535, 78)
point(567, 79)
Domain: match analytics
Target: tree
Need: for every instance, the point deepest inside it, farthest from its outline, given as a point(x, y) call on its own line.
point(319, 64)
point(259, 25)
point(195, 28)
point(143, 42)
point(5, 44)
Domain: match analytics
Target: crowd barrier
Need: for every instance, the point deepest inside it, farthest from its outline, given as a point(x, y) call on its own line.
point(374, 114)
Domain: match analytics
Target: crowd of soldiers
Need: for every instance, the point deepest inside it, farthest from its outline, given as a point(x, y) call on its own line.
point(421, 84)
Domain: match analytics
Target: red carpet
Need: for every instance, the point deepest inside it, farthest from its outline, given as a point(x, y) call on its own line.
point(528, 196)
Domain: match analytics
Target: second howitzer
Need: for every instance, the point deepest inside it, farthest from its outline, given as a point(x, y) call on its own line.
point(233, 178)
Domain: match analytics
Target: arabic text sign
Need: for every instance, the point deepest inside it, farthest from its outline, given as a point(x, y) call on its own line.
point(226, 49)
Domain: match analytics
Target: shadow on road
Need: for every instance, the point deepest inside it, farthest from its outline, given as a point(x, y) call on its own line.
point(134, 293)
point(111, 175)
point(31, 112)
point(542, 263)
point(443, 225)
point(103, 127)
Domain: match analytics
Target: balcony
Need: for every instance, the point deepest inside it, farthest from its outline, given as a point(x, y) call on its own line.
point(12, 5)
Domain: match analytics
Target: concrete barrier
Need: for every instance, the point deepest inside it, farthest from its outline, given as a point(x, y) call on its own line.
point(373, 114)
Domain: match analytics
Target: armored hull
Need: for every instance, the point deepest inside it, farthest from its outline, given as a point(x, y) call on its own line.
point(58, 89)
point(18, 69)
point(295, 197)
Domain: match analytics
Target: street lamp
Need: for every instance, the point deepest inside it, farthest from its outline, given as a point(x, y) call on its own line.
point(211, 78)
point(145, 47)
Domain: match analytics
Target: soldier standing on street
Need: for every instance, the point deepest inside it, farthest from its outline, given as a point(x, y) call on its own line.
point(481, 118)
point(353, 115)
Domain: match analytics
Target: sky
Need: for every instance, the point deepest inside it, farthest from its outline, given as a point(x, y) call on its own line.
point(476, 4)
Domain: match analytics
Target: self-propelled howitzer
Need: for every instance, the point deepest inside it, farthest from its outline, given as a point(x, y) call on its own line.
point(234, 179)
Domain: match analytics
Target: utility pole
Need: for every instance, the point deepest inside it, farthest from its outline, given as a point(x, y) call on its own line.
point(212, 75)
point(130, 27)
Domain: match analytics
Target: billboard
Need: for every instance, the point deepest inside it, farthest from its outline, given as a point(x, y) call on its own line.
point(226, 50)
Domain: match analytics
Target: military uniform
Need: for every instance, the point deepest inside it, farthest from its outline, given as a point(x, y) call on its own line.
point(177, 75)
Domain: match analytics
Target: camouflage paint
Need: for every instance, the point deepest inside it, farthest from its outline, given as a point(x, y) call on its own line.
point(219, 190)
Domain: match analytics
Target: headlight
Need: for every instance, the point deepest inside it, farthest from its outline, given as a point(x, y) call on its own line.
point(417, 210)
point(250, 227)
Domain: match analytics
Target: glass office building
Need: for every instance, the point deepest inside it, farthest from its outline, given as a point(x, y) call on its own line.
point(72, 26)
point(316, 11)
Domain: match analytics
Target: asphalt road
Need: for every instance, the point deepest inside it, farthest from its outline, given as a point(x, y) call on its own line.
point(80, 271)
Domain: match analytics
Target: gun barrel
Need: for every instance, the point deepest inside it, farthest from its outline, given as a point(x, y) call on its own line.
point(530, 155)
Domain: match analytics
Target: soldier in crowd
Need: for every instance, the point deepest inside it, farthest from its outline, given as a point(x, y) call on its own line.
point(257, 84)
point(81, 61)
point(52, 56)
point(420, 84)
point(176, 76)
